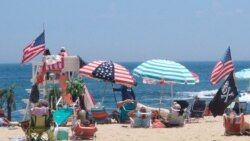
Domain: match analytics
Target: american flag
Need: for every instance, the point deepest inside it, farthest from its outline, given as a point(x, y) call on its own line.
point(222, 68)
point(33, 49)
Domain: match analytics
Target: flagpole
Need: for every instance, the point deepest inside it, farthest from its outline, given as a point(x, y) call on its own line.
point(44, 32)
point(237, 97)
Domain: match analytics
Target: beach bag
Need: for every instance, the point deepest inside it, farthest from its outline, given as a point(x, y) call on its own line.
point(34, 95)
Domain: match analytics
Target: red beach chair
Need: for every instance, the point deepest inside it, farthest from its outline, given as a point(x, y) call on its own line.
point(84, 132)
point(234, 126)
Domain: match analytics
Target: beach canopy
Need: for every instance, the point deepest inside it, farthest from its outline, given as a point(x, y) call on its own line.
point(164, 71)
point(108, 71)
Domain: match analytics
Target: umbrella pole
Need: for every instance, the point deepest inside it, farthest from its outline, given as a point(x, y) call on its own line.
point(115, 97)
point(104, 92)
point(161, 93)
point(172, 93)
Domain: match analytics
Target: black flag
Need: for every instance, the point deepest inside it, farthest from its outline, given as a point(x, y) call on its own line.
point(224, 97)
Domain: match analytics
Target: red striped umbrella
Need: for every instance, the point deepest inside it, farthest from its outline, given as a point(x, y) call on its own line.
point(108, 71)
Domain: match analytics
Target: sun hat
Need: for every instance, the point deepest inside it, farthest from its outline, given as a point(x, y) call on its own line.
point(176, 107)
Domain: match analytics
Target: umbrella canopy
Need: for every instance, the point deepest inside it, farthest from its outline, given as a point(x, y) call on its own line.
point(164, 70)
point(108, 71)
point(196, 77)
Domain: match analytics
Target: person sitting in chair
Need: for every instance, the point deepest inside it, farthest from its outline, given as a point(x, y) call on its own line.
point(175, 117)
point(156, 120)
point(140, 118)
point(235, 124)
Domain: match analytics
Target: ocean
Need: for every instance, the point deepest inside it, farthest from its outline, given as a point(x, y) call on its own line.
point(146, 94)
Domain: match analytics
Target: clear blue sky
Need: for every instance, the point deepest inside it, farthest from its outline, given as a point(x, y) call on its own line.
point(128, 30)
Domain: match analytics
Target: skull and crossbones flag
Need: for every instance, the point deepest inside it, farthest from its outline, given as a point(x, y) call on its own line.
point(224, 97)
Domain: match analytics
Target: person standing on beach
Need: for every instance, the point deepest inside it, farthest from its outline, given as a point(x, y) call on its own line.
point(127, 92)
point(63, 52)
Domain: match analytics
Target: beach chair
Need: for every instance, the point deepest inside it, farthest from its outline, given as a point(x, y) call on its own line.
point(99, 114)
point(38, 128)
point(197, 110)
point(125, 109)
point(84, 132)
point(234, 126)
point(141, 120)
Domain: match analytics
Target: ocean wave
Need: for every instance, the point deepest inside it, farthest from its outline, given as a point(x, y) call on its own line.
point(200, 94)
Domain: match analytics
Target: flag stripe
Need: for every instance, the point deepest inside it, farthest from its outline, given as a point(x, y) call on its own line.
point(121, 74)
point(222, 68)
point(34, 48)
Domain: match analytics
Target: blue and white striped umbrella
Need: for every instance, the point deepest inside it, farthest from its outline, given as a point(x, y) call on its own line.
point(164, 70)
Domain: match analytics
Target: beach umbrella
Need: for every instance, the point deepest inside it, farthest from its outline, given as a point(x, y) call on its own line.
point(164, 72)
point(243, 74)
point(108, 71)
point(196, 77)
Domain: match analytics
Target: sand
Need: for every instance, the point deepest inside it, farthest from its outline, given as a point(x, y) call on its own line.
point(206, 129)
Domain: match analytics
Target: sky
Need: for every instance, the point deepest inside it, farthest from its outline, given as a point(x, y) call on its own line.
point(128, 30)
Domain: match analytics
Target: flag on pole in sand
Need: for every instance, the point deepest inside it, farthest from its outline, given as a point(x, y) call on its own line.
point(224, 97)
point(34, 48)
point(222, 68)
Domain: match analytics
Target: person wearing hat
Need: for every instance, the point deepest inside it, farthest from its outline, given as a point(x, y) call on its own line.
point(175, 118)
point(63, 52)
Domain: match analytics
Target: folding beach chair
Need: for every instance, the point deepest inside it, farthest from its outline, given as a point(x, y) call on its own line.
point(38, 128)
point(99, 114)
point(197, 110)
point(234, 126)
point(125, 109)
point(84, 132)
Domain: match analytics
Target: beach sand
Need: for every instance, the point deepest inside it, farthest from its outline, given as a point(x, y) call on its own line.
point(206, 129)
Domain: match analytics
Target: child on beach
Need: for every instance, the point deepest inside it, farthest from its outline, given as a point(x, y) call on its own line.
point(156, 121)
point(141, 118)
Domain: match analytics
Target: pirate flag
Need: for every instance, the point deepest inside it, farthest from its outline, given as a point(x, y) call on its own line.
point(224, 97)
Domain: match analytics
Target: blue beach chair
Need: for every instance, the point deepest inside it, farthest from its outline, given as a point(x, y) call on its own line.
point(125, 109)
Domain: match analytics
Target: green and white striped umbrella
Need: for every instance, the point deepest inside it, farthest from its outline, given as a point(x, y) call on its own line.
point(166, 71)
